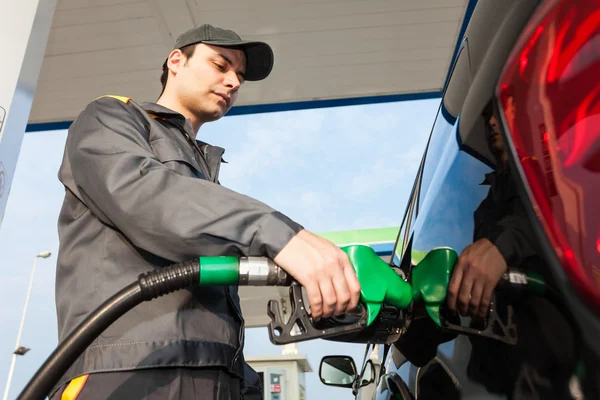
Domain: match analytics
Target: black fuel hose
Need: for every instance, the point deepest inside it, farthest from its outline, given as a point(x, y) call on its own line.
point(149, 286)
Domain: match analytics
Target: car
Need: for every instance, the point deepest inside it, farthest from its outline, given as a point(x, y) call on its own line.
point(535, 67)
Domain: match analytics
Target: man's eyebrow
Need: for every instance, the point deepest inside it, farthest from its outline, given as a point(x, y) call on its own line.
point(223, 56)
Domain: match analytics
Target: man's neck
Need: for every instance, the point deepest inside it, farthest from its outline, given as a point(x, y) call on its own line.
point(501, 162)
point(173, 104)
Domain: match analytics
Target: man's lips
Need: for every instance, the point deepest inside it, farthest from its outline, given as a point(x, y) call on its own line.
point(224, 97)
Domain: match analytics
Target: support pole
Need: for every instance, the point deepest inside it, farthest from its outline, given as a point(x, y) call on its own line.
point(24, 27)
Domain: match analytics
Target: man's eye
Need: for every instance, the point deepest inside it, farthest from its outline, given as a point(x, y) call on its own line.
point(220, 67)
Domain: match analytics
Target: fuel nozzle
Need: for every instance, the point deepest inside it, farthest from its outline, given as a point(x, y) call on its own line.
point(378, 282)
point(379, 285)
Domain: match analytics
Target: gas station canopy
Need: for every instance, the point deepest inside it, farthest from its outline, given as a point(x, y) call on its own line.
point(327, 52)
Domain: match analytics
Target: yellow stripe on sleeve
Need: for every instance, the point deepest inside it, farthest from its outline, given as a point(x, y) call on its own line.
point(122, 98)
point(74, 388)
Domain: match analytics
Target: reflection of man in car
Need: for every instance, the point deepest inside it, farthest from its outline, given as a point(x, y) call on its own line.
point(504, 237)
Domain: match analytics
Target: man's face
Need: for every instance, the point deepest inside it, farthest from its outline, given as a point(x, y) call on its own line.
point(207, 83)
point(495, 139)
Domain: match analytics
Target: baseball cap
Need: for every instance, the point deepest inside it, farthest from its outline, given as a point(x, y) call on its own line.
point(259, 55)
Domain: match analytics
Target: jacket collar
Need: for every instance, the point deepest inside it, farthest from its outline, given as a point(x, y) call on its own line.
point(491, 177)
point(163, 112)
point(160, 111)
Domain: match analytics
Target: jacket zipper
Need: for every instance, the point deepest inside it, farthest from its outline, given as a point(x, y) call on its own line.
point(227, 293)
point(197, 149)
point(216, 179)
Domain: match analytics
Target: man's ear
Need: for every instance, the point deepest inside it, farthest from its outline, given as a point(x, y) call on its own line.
point(175, 61)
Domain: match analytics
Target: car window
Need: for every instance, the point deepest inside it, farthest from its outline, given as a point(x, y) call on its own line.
point(402, 241)
point(441, 134)
point(446, 213)
point(450, 107)
point(368, 373)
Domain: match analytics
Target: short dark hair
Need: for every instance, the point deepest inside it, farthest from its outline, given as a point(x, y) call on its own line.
point(187, 51)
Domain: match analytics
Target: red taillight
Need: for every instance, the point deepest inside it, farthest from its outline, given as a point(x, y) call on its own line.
point(549, 95)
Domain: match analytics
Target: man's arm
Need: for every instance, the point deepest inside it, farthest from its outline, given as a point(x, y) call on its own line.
point(176, 217)
point(513, 235)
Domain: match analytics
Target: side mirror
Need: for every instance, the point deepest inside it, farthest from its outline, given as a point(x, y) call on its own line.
point(337, 371)
point(368, 374)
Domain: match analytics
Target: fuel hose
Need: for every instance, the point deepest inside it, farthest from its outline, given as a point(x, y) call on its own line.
point(244, 271)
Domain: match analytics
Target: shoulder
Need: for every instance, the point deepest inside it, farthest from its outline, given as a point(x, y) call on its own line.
point(111, 103)
point(111, 112)
point(112, 106)
point(122, 99)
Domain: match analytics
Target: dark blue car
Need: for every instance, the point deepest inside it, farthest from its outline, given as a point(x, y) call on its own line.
point(513, 158)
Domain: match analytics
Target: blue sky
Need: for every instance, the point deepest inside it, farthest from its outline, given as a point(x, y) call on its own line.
point(329, 169)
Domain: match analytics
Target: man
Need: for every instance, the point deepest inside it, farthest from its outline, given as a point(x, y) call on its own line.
point(141, 193)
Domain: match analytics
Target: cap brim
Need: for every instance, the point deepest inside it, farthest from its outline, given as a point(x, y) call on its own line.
point(259, 57)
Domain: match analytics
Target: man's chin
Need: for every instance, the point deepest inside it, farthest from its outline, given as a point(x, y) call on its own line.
point(213, 115)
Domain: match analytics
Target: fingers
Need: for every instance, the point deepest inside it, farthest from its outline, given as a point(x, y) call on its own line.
point(476, 294)
point(351, 281)
point(329, 297)
point(464, 295)
point(342, 293)
point(325, 272)
point(339, 286)
point(346, 284)
point(486, 298)
point(328, 292)
point(455, 284)
point(353, 286)
point(475, 276)
point(313, 293)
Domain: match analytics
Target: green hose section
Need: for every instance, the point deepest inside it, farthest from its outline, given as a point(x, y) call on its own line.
point(221, 270)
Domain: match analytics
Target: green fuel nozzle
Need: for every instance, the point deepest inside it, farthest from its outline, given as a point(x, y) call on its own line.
point(378, 282)
point(430, 279)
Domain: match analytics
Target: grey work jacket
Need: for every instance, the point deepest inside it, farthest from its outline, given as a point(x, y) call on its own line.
point(141, 193)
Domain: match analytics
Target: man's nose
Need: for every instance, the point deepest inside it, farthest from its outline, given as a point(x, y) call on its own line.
point(232, 80)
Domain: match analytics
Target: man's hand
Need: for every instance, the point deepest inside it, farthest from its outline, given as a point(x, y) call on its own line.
point(324, 271)
point(475, 276)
